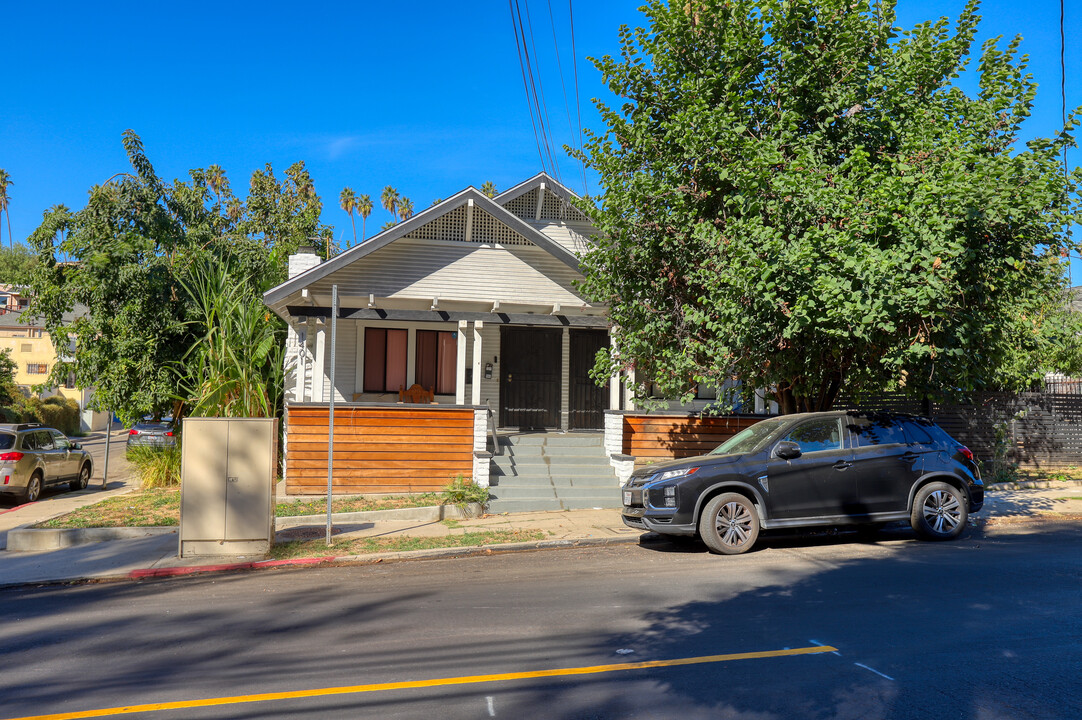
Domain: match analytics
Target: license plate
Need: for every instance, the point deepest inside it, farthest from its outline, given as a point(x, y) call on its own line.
point(627, 497)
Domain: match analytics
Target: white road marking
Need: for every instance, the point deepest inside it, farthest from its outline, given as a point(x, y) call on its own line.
point(888, 677)
point(491, 706)
point(816, 642)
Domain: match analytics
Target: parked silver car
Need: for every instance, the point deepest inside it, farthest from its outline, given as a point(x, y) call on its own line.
point(148, 433)
point(33, 457)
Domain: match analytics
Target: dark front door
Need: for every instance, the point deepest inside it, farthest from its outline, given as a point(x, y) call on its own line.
point(588, 399)
point(530, 377)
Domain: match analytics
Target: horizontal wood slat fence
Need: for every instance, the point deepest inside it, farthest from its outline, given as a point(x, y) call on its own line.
point(377, 449)
point(1045, 429)
point(679, 436)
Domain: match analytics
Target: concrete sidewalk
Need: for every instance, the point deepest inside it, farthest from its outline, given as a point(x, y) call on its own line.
point(153, 551)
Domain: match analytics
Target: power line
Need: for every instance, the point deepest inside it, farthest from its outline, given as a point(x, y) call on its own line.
point(516, 24)
point(578, 106)
point(539, 94)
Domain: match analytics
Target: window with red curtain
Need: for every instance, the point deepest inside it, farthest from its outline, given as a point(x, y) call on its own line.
point(436, 360)
point(384, 359)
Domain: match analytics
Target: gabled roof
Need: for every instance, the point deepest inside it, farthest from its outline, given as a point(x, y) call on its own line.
point(533, 183)
point(388, 236)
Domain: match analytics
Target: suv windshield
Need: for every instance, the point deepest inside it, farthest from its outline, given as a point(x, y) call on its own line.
point(749, 438)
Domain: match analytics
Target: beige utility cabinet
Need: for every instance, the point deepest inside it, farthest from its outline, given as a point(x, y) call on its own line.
point(228, 469)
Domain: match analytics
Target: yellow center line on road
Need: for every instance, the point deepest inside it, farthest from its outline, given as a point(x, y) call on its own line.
point(437, 682)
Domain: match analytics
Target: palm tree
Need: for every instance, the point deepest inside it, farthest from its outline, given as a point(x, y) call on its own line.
point(364, 207)
point(217, 182)
point(405, 208)
point(5, 201)
point(389, 200)
point(348, 201)
point(489, 189)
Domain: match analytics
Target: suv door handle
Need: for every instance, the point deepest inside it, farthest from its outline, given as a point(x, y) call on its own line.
point(909, 456)
point(842, 465)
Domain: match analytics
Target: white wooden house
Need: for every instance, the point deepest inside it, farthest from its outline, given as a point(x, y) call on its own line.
point(474, 299)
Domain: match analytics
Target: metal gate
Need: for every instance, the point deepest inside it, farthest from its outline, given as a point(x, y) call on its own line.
point(587, 398)
point(530, 377)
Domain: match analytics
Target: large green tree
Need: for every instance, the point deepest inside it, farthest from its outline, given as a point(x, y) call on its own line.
point(799, 195)
point(126, 263)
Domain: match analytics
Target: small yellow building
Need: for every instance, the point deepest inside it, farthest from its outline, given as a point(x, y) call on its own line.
point(32, 350)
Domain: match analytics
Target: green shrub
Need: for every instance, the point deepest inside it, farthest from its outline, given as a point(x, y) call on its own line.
point(462, 491)
point(60, 413)
point(157, 467)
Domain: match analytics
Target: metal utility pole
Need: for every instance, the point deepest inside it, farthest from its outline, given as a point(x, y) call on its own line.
point(330, 424)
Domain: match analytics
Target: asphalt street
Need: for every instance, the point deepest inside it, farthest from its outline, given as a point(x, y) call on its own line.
point(986, 627)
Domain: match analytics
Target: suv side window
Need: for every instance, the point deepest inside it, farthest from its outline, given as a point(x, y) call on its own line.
point(60, 440)
point(918, 435)
point(817, 435)
point(42, 440)
point(879, 431)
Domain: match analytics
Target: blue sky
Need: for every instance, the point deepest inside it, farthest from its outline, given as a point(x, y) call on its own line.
point(426, 96)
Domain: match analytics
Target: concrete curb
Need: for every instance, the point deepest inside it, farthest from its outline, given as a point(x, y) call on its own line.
point(429, 513)
point(38, 539)
point(376, 558)
point(1034, 485)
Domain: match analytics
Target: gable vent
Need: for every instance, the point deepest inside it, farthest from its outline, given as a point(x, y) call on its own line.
point(556, 208)
point(487, 229)
point(451, 226)
point(524, 206)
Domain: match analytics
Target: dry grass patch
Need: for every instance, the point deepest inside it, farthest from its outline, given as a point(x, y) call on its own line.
point(149, 508)
point(358, 503)
point(364, 546)
point(161, 506)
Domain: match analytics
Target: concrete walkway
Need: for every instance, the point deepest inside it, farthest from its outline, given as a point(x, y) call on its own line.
point(154, 551)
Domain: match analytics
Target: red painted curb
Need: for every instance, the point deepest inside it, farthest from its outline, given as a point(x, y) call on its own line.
point(18, 507)
point(178, 571)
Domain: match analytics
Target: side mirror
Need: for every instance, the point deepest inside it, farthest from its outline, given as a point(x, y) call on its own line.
point(787, 450)
point(76, 446)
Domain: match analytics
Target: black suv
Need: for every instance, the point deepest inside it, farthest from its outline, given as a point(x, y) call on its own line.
point(809, 469)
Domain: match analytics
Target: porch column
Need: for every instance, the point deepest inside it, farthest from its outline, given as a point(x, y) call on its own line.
point(614, 381)
point(629, 395)
point(319, 369)
point(565, 380)
point(475, 387)
point(300, 365)
point(460, 364)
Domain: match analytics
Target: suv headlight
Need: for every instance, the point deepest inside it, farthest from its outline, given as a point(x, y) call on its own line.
point(671, 474)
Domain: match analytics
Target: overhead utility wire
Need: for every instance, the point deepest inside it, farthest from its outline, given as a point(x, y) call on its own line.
point(539, 92)
point(532, 97)
point(560, 68)
point(578, 107)
point(525, 85)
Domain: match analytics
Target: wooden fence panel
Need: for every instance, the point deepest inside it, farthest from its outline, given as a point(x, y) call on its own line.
point(377, 449)
point(679, 436)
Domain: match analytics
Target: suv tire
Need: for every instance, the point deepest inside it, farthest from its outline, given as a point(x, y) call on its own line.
point(729, 524)
point(939, 512)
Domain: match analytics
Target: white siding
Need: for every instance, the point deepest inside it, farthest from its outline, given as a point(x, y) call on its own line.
point(345, 367)
point(458, 271)
point(574, 237)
